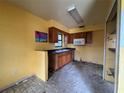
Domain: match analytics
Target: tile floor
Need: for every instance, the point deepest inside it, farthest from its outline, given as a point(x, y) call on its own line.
point(72, 78)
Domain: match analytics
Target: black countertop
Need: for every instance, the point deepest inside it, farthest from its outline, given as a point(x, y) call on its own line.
point(57, 51)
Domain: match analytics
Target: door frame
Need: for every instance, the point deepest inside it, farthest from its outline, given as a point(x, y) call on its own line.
point(117, 45)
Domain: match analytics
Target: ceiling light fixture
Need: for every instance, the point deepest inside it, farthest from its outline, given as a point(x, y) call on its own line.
point(76, 16)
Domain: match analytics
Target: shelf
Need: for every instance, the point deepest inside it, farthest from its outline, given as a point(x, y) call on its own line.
point(112, 70)
point(112, 49)
point(113, 32)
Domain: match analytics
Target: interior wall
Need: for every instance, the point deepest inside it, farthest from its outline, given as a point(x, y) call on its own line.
point(18, 57)
point(91, 52)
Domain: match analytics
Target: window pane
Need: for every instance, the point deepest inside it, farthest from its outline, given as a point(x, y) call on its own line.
point(59, 37)
point(59, 43)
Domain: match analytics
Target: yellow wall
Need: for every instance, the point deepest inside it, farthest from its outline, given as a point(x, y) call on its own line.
point(91, 52)
point(18, 57)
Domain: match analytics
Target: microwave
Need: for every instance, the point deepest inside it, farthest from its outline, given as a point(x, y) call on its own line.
point(79, 42)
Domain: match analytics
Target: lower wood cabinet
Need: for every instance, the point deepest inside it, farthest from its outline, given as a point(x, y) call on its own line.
point(56, 61)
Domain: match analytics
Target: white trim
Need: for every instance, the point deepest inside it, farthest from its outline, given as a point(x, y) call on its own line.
point(104, 59)
point(117, 46)
point(105, 37)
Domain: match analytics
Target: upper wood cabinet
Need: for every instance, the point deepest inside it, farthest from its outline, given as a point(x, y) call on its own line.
point(70, 38)
point(78, 35)
point(89, 36)
point(53, 35)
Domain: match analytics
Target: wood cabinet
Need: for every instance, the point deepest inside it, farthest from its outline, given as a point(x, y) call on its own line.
point(70, 38)
point(56, 61)
point(78, 35)
point(66, 38)
point(89, 37)
point(53, 35)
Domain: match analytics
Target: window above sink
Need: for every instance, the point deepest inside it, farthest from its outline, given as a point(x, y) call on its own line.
point(59, 43)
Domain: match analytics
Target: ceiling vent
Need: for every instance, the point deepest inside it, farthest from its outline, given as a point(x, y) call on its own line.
point(76, 16)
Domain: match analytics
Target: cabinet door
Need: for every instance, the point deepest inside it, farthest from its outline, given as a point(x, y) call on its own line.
point(53, 35)
point(69, 57)
point(63, 60)
point(51, 63)
point(70, 38)
point(66, 38)
point(56, 62)
point(78, 35)
point(72, 55)
point(89, 37)
point(84, 35)
point(60, 61)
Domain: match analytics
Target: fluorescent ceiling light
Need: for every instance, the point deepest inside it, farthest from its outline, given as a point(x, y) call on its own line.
point(75, 15)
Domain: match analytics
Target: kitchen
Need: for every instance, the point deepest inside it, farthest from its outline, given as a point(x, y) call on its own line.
point(55, 49)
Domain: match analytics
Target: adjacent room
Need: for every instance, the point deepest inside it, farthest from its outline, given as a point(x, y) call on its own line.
point(61, 46)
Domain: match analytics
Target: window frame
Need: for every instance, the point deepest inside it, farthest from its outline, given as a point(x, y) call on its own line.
point(59, 40)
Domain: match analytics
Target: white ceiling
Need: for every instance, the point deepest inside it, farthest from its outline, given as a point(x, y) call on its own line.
point(92, 11)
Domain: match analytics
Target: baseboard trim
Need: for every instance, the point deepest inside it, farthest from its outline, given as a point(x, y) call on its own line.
point(88, 62)
point(16, 83)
